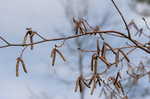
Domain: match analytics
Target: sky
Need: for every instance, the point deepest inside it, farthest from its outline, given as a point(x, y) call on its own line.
point(45, 17)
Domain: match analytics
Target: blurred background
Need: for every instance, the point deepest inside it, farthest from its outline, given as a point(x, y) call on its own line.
point(51, 19)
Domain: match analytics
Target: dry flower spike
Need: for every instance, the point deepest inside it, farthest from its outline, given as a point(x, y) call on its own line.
point(18, 61)
point(53, 55)
point(80, 84)
point(30, 33)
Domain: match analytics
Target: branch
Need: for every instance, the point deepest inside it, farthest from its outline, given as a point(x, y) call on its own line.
point(138, 44)
point(122, 17)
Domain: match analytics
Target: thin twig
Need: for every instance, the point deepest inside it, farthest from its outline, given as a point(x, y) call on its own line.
point(120, 13)
point(4, 40)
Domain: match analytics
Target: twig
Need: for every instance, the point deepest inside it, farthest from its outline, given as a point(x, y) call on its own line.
point(128, 30)
point(4, 40)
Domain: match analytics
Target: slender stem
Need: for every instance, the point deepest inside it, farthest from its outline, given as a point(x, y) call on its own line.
point(23, 51)
point(4, 40)
point(122, 17)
